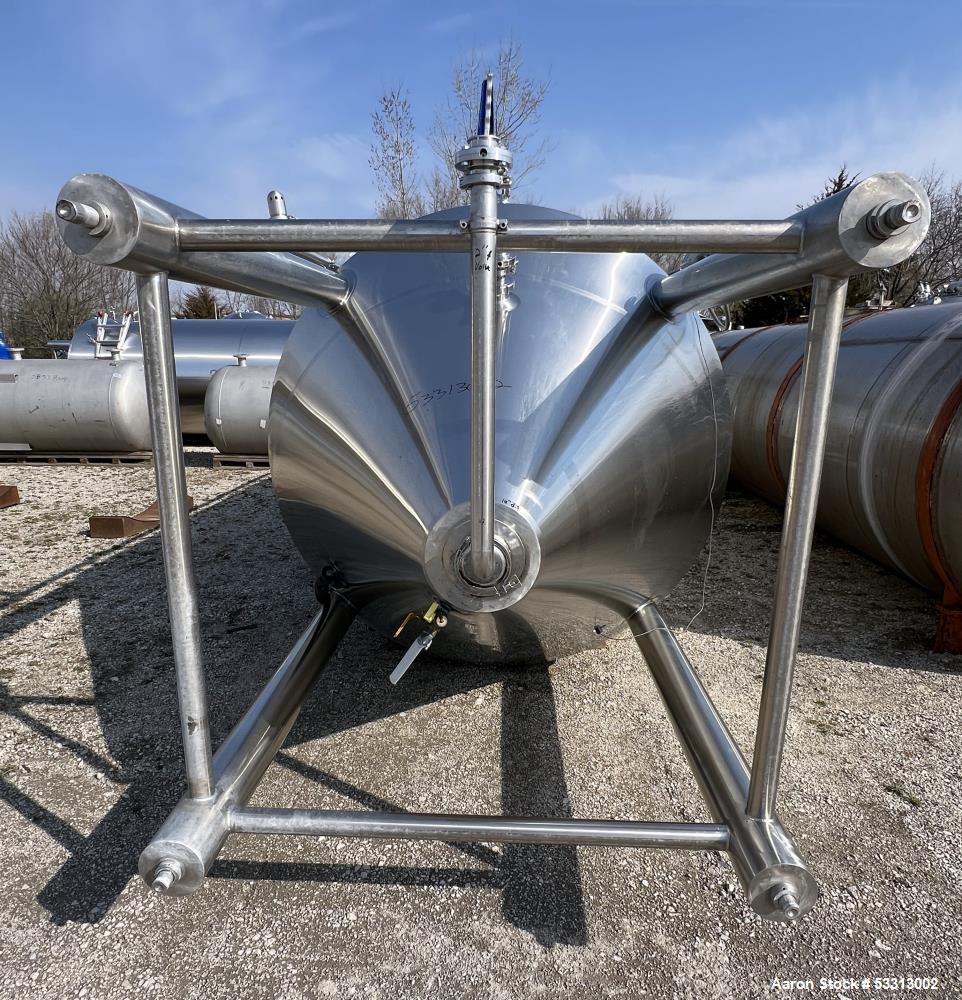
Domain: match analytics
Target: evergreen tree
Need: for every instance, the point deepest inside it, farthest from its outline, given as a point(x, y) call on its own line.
point(199, 303)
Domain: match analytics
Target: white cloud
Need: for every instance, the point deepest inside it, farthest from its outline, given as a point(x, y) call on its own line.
point(336, 157)
point(763, 169)
point(244, 105)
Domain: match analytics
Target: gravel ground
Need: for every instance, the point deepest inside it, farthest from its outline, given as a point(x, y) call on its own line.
point(89, 766)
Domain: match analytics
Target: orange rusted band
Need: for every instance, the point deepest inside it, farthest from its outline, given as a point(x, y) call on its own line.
point(924, 487)
point(748, 336)
point(775, 413)
point(771, 428)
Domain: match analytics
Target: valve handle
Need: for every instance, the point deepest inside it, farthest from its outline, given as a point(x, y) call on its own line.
point(486, 110)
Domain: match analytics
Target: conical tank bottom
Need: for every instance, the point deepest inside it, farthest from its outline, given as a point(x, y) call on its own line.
point(612, 426)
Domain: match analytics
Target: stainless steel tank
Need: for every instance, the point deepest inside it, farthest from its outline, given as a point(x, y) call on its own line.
point(591, 483)
point(201, 347)
point(236, 408)
point(609, 442)
point(87, 406)
point(892, 481)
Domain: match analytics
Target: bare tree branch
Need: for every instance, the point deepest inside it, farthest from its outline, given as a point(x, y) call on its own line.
point(403, 192)
point(637, 208)
point(392, 158)
point(201, 302)
point(517, 114)
point(939, 258)
point(46, 290)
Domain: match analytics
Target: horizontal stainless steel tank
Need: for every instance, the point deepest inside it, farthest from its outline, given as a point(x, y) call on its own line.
point(236, 408)
point(892, 482)
point(86, 406)
point(201, 347)
point(609, 440)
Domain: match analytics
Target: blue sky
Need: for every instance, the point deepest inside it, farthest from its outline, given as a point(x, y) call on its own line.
point(736, 108)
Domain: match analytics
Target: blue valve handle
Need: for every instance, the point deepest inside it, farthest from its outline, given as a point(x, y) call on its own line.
point(486, 110)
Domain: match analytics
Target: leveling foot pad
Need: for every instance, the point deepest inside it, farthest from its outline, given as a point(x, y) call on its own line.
point(9, 496)
point(123, 526)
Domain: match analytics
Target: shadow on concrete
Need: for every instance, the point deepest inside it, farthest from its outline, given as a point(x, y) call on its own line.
point(852, 605)
point(255, 600)
point(256, 597)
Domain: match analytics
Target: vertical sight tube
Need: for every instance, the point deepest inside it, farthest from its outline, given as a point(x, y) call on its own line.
point(484, 327)
point(483, 164)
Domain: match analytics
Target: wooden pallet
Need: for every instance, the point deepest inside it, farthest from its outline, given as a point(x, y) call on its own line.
point(240, 461)
point(75, 458)
point(126, 525)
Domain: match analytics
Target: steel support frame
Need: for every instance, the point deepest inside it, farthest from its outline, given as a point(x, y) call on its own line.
point(776, 879)
point(434, 235)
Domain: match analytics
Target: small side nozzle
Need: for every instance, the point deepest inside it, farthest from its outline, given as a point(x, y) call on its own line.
point(276, 205)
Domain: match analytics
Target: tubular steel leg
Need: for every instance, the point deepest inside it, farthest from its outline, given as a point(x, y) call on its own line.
point(164, 407)
point(178, 857)
point(818, 379)
point(776, 878)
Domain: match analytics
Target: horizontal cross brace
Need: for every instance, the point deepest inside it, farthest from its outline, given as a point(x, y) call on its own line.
point(487, 829)
point(432, 235)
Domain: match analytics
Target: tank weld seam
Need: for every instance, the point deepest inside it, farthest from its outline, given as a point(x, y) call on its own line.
point(774, 419)
point(748, 336)
point(775, 414)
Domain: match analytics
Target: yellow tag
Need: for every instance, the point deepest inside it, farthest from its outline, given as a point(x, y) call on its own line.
point(431, 612)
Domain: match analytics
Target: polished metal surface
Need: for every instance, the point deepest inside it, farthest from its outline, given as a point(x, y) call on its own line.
point(142, 237)
point(277, 209)
point(243, 757)
point(897, 372)
point(486, 829)
point(811, 431)
point(69, 406)
point(609, 435)
point(167, 439)
point(236, 408)
point(276, 205)
point(201, 347)
point(848, 232)
point(483, 164)
point(611, 442)
point(93, 217)
point(195, 831)
point(763, 853)
point(434, 235)
point(838, 242)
